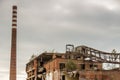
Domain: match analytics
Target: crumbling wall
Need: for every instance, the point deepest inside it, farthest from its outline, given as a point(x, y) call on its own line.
point(100, 75)
point(91, 75)
point(112, 74)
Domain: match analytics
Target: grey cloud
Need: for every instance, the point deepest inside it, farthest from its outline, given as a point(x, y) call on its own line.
point(50, 24)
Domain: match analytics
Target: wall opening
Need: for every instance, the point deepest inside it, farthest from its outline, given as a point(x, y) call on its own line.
point(62, 66)
point(82, 66)
point(63, 77)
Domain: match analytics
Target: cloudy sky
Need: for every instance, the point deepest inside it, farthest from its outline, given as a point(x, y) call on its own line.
point(46, 25)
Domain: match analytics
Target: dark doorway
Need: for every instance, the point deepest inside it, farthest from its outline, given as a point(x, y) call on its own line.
point(63, 77)
point(82, 66)
point(62, 66)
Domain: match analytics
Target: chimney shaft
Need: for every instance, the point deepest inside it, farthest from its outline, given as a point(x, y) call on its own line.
point(13, 44)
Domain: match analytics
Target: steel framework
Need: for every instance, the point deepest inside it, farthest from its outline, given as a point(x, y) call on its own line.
point(97, 55)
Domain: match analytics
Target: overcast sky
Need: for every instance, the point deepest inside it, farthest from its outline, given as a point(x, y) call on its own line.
point(46, 25)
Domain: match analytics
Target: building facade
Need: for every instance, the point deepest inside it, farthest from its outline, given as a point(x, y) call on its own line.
point(54, 66)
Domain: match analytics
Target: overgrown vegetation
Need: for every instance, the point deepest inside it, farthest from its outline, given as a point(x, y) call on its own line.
point(70, 66)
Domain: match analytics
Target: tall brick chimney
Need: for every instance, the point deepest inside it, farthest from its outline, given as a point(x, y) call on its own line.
point(13, 44)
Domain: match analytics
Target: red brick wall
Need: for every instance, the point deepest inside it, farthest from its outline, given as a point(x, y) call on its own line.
point(100, 75)
point(54, 64)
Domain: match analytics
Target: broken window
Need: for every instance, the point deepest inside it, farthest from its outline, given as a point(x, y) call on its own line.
point(58, 56)
point(63, 77)
point(82, 66)
point(92, 66)
point(95, 67)
point(62, 66)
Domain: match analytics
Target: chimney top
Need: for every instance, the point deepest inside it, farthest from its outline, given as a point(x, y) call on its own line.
point(14, 7)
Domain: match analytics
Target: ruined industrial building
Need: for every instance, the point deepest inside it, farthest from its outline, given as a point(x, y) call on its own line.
point(77, 63)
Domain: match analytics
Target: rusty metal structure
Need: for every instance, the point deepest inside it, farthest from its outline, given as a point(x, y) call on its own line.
point(93, 54)
point(97, 55)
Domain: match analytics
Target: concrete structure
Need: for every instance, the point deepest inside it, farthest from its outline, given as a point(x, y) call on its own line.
point(88, 67)
point(13, 44)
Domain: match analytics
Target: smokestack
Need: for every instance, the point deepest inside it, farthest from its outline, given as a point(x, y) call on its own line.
point(13, 44)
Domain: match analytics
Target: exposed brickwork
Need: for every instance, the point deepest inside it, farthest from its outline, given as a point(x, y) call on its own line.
point(100, 75)
point(13, 47)
point(87, 69)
